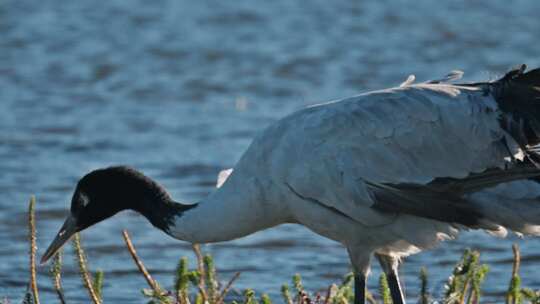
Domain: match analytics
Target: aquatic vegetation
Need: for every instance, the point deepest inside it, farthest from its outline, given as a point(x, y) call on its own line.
point(32, 237)
point(83, 269)
point(464, 285)
point(424, 297)
point(56, 275)
point(384, 290)
point(513, 295)
point(202, 285)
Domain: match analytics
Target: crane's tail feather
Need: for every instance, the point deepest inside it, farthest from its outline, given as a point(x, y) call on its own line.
point(518, 96)
point(514, 206)
point(446, 199)
point(489, 178)
point(427, 203)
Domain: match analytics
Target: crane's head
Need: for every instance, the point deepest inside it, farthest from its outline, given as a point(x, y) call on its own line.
point(102, 193)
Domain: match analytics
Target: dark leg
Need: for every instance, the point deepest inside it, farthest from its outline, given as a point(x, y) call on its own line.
point(359, 289)
point(390, 268)
point(360, 260)
point(395, 289)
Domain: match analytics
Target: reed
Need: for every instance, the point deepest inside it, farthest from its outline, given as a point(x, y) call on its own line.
point(532, 296)
point(227, 288)
point(33, 248)
point(155, 291)
point(97, 284)
point(286, 294)
point(384, 290)
point(424, 294)
point(265, 299)
point(513, 295)
point(249, 297)
point(83, 269)
point(56, 275)
point(201, 274)
point(464, 286)
point(211, 278)
point(181, 282)
point(200, 264)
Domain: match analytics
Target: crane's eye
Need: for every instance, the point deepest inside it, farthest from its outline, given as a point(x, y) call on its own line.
point(83, 199)
point(80, 201)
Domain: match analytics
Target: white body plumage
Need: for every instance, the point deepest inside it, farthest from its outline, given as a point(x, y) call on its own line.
point(313, 166)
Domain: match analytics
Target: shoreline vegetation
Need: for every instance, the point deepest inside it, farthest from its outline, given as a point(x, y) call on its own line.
point(202, 286)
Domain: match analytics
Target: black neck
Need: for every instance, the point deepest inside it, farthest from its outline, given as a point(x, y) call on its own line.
point(152, 201)
point(161, 212)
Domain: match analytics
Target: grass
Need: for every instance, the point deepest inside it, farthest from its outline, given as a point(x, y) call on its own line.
point(202, 285)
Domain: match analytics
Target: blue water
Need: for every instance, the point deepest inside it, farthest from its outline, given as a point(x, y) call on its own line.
point(178, 89)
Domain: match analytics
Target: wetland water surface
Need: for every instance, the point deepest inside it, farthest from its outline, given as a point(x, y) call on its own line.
point(178, 89)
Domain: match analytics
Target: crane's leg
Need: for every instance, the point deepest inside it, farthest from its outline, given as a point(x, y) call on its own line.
point(359, 288)
point(390, 267)
point(360, 259)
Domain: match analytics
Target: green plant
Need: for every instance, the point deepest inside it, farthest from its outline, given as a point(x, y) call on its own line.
point(98, 283)
point(249, 297)
point(384, 290)
point(32, 236)
point(463, 286)
point(83, 269)
point(285, 293)
point(530, 295)
point(181, 282)
point(424, 294)
point(513, 295)
point(265, 299)
point(56, 275)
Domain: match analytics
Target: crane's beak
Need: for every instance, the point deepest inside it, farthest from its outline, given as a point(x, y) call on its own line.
point(68, 229)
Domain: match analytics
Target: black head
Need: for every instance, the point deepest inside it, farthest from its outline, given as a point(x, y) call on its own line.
point(102, 193)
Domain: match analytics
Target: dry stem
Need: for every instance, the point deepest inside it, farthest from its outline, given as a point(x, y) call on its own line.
point(227, 288)
point(517, 260)
point(84, 269)
point(151, 282)
point(57, 276)
point(33, 247)
point(200, 264)
point(202, 272)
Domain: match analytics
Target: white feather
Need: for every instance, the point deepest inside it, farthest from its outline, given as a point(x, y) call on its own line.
point(222, 177)
point(310, 168)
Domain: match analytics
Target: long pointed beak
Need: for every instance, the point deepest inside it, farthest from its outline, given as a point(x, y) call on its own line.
point(66, 232)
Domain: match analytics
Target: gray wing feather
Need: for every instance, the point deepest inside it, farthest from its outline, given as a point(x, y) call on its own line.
point(452, 76)
point(424, 202)
point(408, 81)
point(489, 178)
point(410, 135)
point(444, 198)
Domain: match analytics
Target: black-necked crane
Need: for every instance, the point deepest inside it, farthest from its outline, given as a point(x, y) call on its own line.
point(386, 173)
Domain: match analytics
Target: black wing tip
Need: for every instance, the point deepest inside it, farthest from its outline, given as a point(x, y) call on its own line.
point(517, 94)
point(513, 73)
point(519, 74)
point(421, 201)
